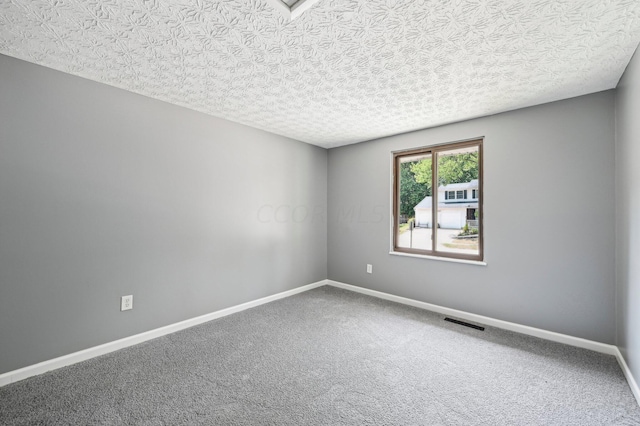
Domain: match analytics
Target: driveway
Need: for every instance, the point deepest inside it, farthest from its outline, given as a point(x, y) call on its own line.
point(420, 238)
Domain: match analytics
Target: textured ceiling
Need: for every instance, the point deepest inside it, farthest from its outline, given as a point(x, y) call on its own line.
point(345, 70)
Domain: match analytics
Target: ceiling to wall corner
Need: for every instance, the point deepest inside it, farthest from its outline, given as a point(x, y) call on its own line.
point(344, 71)
point(291, 9)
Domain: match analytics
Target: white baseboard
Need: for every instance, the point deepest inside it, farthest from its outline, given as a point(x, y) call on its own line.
point(73, 358)
point(505, 325)
point(627, 374)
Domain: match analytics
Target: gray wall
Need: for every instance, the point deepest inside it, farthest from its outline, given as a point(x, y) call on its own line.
point(628, 215)
point(105, 193)
point(548, 214)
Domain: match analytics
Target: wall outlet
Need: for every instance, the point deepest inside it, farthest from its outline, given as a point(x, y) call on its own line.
point(369, 268)
point(126, 303)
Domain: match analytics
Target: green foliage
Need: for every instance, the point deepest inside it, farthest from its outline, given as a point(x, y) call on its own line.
point(415, 177)
point(422, 172)
point(451, 169)
point(403, 228)
point(457, 168)
point(468, 231)
point(411, 192)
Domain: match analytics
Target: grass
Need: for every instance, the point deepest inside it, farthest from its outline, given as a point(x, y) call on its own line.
point(463, 244)
point(404, 227)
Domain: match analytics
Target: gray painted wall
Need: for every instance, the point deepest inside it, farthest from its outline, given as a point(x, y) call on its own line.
point(105, 193)
point(548, 214)
point(628, 215)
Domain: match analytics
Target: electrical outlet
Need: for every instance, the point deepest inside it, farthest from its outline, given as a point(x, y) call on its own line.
point(126, 303)
point(369, 268)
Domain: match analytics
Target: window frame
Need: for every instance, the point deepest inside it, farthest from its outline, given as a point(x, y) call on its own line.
point(433, 150)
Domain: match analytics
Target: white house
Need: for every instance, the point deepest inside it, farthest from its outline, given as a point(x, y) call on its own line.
point(457, 204)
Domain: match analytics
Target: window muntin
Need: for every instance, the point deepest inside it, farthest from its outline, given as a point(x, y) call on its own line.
point(457, 169)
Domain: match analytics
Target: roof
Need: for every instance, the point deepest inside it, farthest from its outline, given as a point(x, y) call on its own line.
point(468, 204)
point(425, 204)
point(459, 186)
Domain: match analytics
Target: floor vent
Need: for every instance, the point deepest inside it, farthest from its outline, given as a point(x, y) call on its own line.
point(466, 324)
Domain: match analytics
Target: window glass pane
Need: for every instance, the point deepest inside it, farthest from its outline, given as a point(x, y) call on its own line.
point(458, 232)
point(414, 204)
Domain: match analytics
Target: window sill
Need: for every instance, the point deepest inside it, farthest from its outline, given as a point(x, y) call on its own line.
point(442, 259)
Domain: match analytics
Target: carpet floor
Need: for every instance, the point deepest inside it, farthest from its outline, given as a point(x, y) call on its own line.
point(331, 357)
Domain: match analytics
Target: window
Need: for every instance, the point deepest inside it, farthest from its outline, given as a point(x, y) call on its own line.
point(439, 220)
point(453, 195)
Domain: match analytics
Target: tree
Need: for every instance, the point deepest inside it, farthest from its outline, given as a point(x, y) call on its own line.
point(456, 168)
point(422, 172)
point(415, 177)
point(411, 192)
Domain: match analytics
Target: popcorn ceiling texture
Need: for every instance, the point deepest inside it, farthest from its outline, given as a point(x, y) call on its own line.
point(346, 70)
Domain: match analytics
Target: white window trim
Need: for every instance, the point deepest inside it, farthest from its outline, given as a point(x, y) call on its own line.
point(444, 259)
